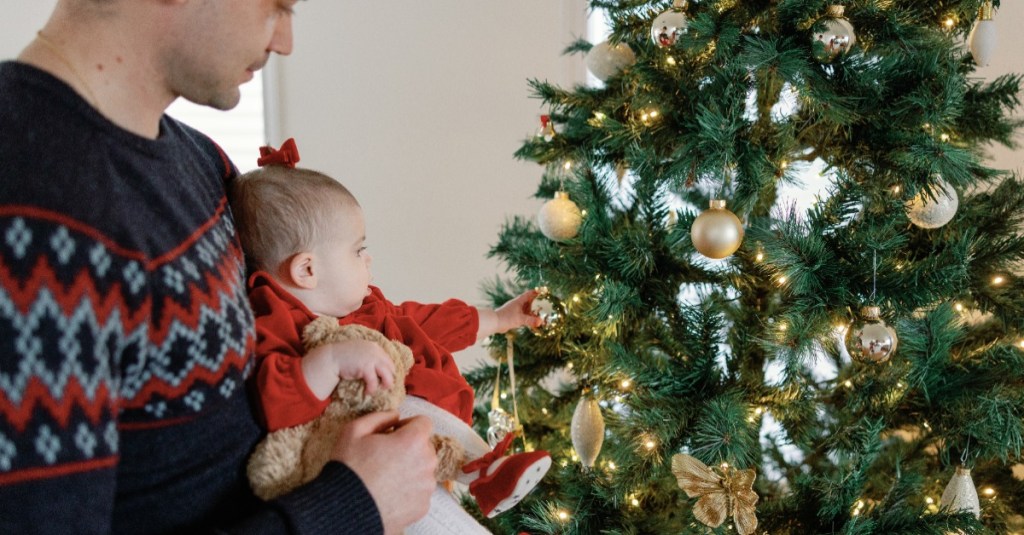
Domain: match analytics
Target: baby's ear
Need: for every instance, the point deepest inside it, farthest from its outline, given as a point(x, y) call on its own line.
point(301, 270)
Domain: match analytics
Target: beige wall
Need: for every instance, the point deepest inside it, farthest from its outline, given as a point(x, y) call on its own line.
point(418, 106)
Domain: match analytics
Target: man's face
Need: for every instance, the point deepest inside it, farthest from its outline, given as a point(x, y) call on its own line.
point(221, 43)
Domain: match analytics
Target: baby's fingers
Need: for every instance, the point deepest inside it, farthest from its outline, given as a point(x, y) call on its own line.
point(370, 381)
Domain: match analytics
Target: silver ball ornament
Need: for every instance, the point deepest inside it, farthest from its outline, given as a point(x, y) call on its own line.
point(870, 339)
point(549, 309)
point(668, 27)
point(837, 37)
point(928, 212)
point(716, 233)
point(559, 219)
point(606, 60)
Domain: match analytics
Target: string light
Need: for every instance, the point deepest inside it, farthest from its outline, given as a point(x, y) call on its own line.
point(998, 279)
point(989, 492)
point(848, 384)
point(944, 137)
point(959, 307)
point(670, 60)
point(611, 465)
point(626, 383)
point(782, 279)
point(759, 257)
point(563, 515)
point(1021, 343)
point(896, 190)
point(949, 23)
point(567, 165)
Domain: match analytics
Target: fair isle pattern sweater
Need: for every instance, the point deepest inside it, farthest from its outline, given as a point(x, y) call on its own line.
point(125, 334)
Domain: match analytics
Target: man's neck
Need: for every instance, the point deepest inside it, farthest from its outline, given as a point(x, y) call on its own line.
point(113, 76)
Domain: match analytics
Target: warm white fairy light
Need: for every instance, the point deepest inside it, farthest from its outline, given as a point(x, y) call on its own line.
point(670, 60)
point(989, 492)
point(563, 515)
point(567, 165)
point(544, 410)
point(998, 279)
point(782, 279)
point(959, 307)
point(611, 465)
point(759, 257)
point(1021, 343)
point(625, 383)
point(944, 137)
point(504, 395)
point(599, 116)
point(929, 500)
point(783, 326)
point(896, 190)
point(634, 502)
point(848, 383)
point(949, 23)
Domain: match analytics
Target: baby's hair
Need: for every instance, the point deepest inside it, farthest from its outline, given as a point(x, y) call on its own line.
point(280, 211)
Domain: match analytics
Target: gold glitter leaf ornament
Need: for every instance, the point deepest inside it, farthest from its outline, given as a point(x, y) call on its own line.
point(722, 492)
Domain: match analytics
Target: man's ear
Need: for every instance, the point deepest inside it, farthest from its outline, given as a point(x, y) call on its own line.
point(301, 269)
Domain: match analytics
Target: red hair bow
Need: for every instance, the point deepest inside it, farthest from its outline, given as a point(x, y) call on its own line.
point(287, 155)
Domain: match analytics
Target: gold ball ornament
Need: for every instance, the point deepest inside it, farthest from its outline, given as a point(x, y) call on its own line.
point(960, 494)
point(870, 339)
point(587, 430)
point(933, 212)
point(559, 219)
point(717, 232)
point(549, 309)
point(605, 60)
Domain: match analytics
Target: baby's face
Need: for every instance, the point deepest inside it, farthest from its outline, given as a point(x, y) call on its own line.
point(344, 278)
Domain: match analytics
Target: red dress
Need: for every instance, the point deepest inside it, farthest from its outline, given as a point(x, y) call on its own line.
point(432, 332)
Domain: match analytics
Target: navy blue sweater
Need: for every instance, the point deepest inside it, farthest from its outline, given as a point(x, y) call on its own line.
point(126, 336)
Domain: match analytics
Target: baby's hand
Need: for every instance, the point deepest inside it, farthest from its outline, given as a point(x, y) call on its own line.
point(518, 313)
point(366, 361)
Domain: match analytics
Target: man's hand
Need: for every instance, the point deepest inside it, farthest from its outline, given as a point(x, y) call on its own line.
point(395, 460)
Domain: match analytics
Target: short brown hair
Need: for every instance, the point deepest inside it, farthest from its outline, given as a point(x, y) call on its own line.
point(280, 211)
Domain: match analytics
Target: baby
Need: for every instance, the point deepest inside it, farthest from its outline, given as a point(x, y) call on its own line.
point(304, 238)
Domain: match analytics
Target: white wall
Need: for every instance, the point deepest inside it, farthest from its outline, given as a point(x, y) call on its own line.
point(418, 106)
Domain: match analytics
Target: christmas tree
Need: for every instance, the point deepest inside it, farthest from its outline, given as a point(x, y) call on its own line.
point(716, 356)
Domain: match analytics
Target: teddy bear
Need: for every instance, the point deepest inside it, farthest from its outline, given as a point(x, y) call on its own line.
point(290, 457)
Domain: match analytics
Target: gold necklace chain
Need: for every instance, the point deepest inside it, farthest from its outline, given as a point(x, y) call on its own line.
point(56, 51)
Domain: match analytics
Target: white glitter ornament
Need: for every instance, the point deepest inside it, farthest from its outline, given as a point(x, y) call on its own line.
point(927, 212)
point(960, 494)
point(559, 219)
point(983, 37)
point(837, 36)
point(670, 25)
point(870, 339)
point(606, 60)
point(587, 430)
point(717, 232)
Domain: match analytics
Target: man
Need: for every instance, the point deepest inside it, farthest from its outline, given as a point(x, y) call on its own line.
point(125, 334)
